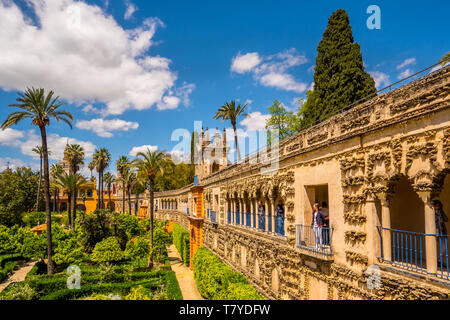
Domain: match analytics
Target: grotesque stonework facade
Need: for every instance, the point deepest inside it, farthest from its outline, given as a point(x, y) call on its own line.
point(377, 167)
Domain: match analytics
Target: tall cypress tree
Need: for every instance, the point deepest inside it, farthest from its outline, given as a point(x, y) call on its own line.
point(339, 78)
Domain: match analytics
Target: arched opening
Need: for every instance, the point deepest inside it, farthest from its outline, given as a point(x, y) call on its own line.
point(406, 238)
point(444, 197)
point(407, 209)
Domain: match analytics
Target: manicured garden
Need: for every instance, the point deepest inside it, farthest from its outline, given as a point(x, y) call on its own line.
point(105, 258)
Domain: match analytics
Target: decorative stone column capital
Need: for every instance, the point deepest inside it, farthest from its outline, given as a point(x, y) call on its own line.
point(427, 196)
point(384, 198)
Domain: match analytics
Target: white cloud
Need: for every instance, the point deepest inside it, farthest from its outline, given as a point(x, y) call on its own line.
point(170, 102)
point(283, 81)
point(103, 128)
point(271, 71)
point(84, 55)
point(90, 109)
point(255, 121)
point(144, 149)
point(131, 9)
point(381, 79)
point(11, 163)
point(10, 137)
point(405, 74)
point(245, 63)
point(405, 63)
point(56, 145)
point(178, 156)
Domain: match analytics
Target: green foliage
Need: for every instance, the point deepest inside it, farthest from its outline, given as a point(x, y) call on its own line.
point(217, 281)
point(138, 250)
point(33, 219)
point(92, 228)
point(108, 250)
point(18, 194)
point(286, 122)
point(174, 176)
point(124, 227)
point(181, 242)
point(340, 78)
point(106, 272)
point(7, 269)
point(239, 291)
point(139, 293)
point(19, 291)
point(34, 246)
point(172, 286)
point(68, 252)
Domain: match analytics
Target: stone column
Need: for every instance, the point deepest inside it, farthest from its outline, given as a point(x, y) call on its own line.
point(274, 221)
point(252, 209)
point(430, 229)
point(266, 205)
point(373, 237)
point(386, 223)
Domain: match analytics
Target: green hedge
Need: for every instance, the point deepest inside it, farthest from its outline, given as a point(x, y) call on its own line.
point(173, 288)
point(7, 270)
point(181, 242)
point(217, 281)
point(122, 288)
point(10, 257)
point(57, 291)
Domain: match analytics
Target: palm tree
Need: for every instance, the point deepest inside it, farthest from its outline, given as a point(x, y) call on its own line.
point(102, 158)
point(445, 59)
point(91, 167)
point(75, 155)
point(40, 108)
point(109, 180)
point(70, 182)
point(148, 165)
point(55, 170)
point(229, 111)
point(121, 165)
point(39, 151)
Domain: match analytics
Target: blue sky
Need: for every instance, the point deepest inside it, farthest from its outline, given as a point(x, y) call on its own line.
point(134, 71)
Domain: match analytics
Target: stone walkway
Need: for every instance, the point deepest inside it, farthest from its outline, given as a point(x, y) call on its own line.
point(184, 275)
point(18, 275)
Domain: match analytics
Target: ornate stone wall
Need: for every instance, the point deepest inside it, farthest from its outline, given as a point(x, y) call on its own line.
point(359, 156)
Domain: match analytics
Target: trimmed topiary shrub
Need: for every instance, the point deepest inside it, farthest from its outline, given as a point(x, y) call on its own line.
point(108, 250)
point(217, 281)
point(182, 243)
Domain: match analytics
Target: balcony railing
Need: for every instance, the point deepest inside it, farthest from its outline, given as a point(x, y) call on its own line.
point(314, 239)
point(408, 250)
point(238, 218)
point(248, 221)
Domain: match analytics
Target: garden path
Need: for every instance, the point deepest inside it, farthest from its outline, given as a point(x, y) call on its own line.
point(184, 276)
point(19, 275)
